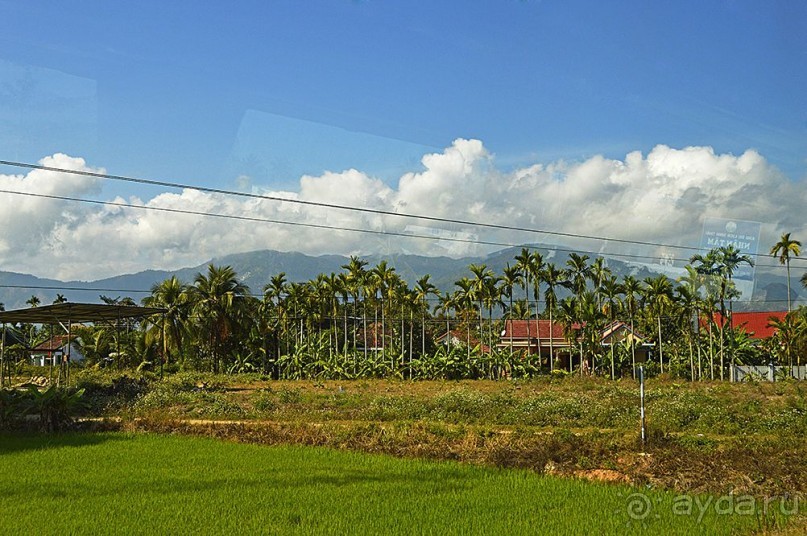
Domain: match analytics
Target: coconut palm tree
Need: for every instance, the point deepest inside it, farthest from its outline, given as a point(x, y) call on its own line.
point(171, 295)
point(218, 297)
point(783, 249)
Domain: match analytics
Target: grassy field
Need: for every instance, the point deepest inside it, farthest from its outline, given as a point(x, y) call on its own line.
point(714, 437)
point(154, 484)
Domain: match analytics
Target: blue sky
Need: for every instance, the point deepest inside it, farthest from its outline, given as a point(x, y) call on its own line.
point(174, 82)
point(257, 94)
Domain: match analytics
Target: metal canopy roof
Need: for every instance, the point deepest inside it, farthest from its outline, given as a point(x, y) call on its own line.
point(77, 312)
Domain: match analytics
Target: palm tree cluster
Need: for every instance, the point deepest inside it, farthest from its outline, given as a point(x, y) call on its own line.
point(368, 322)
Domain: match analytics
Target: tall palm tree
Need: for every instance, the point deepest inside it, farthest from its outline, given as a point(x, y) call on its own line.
point(423, 289)
point(692, 283)
point(536, 270)
point(610, 289)
point(511, 277)
point(492, 299)
point(171, 295)
point(343, 287)
point(578, 270)
point(554, 278)
point(464, 300)
point(730, 259)
point(445, 304)
point(631, 289)
point(384, 277)
point(274, 292)
point(710, 269)
point(524, 262)
point(217, 298)
point(568, 316)
point(597, 273)
point(783, 249)
point(686, 300)
point(481, 289)
point(658, 295)
point(357, 278)
point(590, 317)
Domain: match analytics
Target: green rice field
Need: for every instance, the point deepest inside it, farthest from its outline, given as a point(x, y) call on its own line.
point(116, 483)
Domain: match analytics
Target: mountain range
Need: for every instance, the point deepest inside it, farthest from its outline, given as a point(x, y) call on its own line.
point(257, 267)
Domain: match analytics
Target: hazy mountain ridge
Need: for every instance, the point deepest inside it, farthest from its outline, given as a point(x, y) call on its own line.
point(257, 267)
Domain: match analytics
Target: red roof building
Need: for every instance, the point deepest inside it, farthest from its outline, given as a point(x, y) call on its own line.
point(547, 338)
point(755, 323)
point(542, 334)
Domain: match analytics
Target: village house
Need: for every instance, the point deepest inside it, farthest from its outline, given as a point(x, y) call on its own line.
point(51, 351)
point(542, 338)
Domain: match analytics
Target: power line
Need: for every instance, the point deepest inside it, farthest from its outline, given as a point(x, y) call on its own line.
point(436, 219)
point(256, 219)
point(321, 226)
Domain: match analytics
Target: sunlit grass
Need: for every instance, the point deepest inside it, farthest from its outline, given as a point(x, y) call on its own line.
point(149, 484)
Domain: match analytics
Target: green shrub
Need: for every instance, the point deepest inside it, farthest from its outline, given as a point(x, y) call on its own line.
point(391, 408)
point(460, 406)
point(55, 406)
point(264, 401)
point(290, 396)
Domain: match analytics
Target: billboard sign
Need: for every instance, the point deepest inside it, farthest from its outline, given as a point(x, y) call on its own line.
point(743, 235)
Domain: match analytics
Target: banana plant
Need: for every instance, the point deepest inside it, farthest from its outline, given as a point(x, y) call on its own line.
point(55, 406)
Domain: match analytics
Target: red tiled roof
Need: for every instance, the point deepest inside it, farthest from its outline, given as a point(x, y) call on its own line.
point(538, 329)
point(54, 343)
point(755, 323)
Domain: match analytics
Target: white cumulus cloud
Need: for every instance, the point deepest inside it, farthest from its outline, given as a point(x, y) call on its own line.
point(662, 196)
